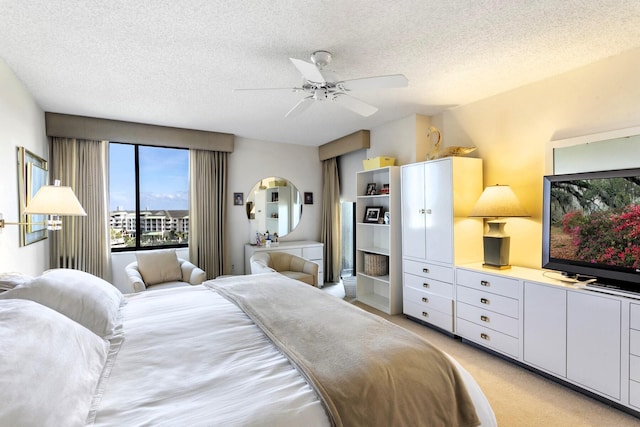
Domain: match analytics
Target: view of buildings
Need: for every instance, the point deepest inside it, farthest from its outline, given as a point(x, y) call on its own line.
point(159, 227)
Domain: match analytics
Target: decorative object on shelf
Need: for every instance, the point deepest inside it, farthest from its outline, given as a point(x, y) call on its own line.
point(384, 189)
point(274, 197)
point(387, 219)
point(372, 214)
point(238, 199)
point(371, 189)
point(308, 198)
point(497, 201)
point(375, 264)
point(378, 162)
point(437, 153)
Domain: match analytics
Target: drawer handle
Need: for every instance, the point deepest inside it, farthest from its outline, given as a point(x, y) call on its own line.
point(425, 314)
point(425, 285)
point(485, 337)
point(425, 299)
point(484, 301)
point(484, 319)
point(425, 270)
point(485, 283)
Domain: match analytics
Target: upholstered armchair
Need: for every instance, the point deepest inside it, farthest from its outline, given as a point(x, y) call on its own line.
point(289, 265)
point(162, 269)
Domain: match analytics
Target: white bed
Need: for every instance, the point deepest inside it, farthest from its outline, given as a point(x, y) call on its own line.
point(181, 356)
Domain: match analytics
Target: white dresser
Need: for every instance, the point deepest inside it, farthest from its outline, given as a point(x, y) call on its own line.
point(313, 251)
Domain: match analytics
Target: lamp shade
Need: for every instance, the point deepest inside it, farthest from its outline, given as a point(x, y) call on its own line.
point(55, 200)
point(498, 201)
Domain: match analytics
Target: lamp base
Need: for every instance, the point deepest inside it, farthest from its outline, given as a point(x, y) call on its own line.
point(496, 246)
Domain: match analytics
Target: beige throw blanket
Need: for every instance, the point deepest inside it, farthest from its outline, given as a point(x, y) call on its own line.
point(366, 370)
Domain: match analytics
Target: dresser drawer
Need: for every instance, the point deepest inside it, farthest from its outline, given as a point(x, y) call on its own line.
point(634, 368)
point(490, 283)
point(431, 285)
point(634, 343)
point(432, 316)
point(634, 393)
point(488, 301)
point(497, 322)
point(487, 337)
point(313, 253)
point(429, 300)
point(635, 316)
point(431, 271)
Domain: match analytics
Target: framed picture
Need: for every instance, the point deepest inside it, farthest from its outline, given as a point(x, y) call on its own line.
point(308, 198)
point(371, 189)
point(238, 199)
point(372, 214)
point(32, 174)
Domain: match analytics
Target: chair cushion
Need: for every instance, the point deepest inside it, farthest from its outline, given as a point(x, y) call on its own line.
point(167, 285)
point(159, 266)
point(297, 275)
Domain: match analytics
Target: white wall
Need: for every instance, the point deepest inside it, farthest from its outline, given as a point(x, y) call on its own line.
point(21, 124)
point(405, 139)
point(253, 160)
point(513, 129)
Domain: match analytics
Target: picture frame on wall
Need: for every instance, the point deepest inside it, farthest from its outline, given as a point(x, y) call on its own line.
point(372, 214)
point(32, 174)
point(308, 198)
point(238, 199)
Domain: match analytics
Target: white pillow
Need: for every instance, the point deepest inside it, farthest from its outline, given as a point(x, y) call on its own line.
point(49, 366)
point(159, 266)
point(11, 280)
point(82, 297)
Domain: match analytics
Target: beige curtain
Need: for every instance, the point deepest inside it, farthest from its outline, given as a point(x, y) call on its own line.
point(207, 210)
point(84, 242)
point(330, 234)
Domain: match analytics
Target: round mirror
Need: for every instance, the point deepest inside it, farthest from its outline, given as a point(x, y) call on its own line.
point(274, 205)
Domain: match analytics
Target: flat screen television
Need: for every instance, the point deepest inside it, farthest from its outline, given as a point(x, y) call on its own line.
point(591, 227)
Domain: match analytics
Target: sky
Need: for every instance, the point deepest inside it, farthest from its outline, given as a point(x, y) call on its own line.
point(164, 177)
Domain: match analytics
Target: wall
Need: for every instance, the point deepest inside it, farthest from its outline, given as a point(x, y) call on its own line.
point(512, 130)
point(21, 124)
point(253, 160)
point(405, 139)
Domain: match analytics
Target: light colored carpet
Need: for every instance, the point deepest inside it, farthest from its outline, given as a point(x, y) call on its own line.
point(519, 398)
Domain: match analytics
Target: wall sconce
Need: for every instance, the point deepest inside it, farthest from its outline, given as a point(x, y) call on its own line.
point(52, 200)
point(497, 201)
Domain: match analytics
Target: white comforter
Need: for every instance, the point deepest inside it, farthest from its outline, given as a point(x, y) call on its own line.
point(190, 357)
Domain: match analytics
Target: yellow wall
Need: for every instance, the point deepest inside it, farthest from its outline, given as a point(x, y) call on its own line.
point(512, 129)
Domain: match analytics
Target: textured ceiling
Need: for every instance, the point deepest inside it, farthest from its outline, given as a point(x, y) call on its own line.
point(175, 62)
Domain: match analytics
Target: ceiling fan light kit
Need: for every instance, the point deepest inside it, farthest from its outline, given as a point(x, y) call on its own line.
point(324, 86)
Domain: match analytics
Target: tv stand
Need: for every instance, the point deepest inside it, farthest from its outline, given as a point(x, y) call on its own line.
point(555, 327)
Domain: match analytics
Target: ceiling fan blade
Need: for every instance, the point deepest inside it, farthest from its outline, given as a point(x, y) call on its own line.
point(379, 82)
point(302, 105)
point(308, 70)
point(354, 104)
point(290, 89)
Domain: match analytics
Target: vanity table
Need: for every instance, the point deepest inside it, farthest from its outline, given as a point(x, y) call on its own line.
point(313, 251)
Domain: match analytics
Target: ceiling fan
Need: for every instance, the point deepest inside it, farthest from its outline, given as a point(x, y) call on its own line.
point(322, 85)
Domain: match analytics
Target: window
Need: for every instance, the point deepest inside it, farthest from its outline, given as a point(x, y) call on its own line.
point(148, 196)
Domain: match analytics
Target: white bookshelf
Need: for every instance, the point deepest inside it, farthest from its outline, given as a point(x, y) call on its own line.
point(383, 292)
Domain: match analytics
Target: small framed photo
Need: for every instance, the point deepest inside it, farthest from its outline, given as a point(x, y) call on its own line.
point(238, 199)
point(371, 189)
point(308, 198)
point(372, 214)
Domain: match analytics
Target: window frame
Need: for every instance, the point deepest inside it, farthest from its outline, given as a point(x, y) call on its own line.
point(138, 246)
